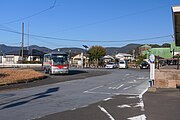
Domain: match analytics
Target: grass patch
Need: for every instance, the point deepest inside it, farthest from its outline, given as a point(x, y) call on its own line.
point(11, 76)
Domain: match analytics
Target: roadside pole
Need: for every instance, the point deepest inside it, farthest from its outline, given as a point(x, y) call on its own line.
point(152, 70)
point(82, 61)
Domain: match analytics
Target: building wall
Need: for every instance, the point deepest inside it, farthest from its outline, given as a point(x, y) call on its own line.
point(167, 78)
point(12, 59)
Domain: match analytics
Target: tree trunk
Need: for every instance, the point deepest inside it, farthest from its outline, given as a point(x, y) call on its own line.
point(97, 64)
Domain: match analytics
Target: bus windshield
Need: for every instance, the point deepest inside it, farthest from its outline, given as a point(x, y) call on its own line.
point(59, 59)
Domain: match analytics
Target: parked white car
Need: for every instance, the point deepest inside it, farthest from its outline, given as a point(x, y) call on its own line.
point(123, 64)
point(111, 65)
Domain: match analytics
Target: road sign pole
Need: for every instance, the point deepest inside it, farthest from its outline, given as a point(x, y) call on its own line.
point(152, 70)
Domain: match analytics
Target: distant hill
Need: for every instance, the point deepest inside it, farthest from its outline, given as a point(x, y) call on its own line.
point(43, 49)
point(125, 49)
point(6, 49)
point(73, 50)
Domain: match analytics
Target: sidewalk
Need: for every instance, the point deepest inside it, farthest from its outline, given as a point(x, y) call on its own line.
point(164, 104)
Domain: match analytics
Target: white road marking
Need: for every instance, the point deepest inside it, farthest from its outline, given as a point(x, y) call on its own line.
point(110, 87)
point(93, 89)
point(106, 112)
point(107, 99)
point(124, 106)
point(140, 96)
point(140, 104)
point(120, 86)
point(127, 87)
point(84, 106)
point(131, 97)
point(99, 92)
point(140, 78)
point(134, 81)
point(113, 88)
point(139, 117)
point(111, 93)
point(73, 109)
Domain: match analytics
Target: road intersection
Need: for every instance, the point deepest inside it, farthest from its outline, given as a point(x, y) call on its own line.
point(37, 102)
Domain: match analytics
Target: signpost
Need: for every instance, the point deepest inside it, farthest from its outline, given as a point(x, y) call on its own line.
point(152, 69)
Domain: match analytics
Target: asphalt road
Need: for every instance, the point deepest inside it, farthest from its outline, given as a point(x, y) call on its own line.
point(40, 101)
point(74, 74)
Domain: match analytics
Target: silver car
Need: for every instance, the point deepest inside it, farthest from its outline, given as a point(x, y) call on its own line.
point(111, 65)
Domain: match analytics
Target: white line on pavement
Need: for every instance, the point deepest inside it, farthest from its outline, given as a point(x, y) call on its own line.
point(93, 89)
point(127, 87)
point(124, 106)
point(107, 99)
point(98, 92)
point(139, 117)
point(106, 112)
point(140, 96)
point(120, 86)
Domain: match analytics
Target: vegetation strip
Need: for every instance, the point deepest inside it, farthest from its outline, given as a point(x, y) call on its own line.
point(14, 76)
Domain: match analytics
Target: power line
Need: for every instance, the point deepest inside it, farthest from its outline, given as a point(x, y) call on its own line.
point(35, 14)
point(78, 40)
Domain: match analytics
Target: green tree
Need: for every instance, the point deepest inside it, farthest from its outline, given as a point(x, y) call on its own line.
point(96, 53)
point(140, 59)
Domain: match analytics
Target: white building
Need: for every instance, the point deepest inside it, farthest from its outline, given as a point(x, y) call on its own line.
point(15, 56)
point(124, 56)
point(80, 60)
point(108, 58)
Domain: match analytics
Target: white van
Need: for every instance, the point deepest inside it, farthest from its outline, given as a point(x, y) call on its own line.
point(123, 64)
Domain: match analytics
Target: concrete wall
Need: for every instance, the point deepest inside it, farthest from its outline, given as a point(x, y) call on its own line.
point(167, 78)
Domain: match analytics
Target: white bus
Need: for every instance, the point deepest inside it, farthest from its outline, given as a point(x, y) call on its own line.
point(56, 63)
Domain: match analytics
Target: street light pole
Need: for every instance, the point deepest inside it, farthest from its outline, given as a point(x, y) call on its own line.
point(86, 47)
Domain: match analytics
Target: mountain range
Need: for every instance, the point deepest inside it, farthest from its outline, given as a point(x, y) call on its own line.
point(73, 50)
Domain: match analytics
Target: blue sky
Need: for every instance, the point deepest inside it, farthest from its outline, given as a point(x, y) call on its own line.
point(88, 22)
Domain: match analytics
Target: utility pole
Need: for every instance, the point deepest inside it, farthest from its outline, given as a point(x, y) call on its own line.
point(28, 38)
point(22, 49)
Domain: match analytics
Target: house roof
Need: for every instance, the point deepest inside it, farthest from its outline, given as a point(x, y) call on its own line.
point(108, 57)
point(124, 54)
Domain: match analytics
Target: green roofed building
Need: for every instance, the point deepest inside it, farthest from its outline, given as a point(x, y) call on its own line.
point(162, 52)
point(175, 49)
point(165, 53)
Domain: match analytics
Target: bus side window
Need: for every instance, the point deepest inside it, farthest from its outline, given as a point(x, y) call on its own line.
point(49, 58)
